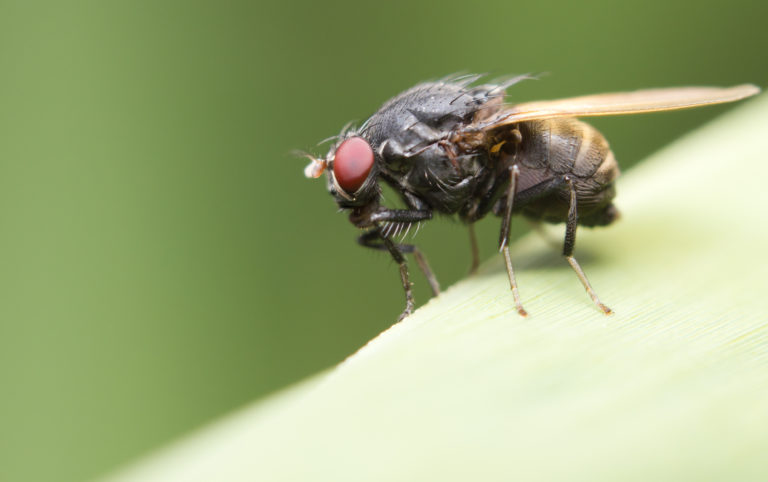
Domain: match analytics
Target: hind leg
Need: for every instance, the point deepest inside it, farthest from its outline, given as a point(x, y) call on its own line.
point(570, 241)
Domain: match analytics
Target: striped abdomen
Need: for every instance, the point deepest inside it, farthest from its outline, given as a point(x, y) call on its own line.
point(557, 147)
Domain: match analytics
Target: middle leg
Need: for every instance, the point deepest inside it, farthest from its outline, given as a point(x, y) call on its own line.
point(514, 173)
point(475, 249)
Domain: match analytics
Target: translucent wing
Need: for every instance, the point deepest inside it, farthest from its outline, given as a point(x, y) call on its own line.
point(649, 100)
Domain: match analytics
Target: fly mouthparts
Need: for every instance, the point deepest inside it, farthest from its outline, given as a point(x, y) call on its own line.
point(315, 168)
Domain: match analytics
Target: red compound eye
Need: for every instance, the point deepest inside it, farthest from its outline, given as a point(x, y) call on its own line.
point(352, 163)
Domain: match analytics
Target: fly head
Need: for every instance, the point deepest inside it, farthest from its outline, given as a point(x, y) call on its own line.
point(351, 171)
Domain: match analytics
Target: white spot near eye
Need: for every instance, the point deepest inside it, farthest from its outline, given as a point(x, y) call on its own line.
point(315, 168)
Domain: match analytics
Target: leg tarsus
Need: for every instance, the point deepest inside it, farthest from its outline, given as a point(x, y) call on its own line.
point(513, 283)
point(584, 281)
point(397, 255)
point(514, 172)
point(408, 293)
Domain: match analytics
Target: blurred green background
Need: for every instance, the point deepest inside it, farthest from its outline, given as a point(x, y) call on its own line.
point(163, 260)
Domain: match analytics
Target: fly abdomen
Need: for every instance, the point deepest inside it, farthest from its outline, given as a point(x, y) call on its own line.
point(594, 159)
point(566, 146)
point(556, 148)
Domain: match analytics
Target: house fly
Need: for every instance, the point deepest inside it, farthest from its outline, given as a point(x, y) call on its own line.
point(457, 148)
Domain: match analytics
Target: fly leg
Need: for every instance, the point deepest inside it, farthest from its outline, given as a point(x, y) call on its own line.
point(406, 216)
point(542, 232)
point(379, 238)
point(404, 219)
point(514, 173)
point(397, 255)
point(570, 240)
point(374, 240)
point(475, 249)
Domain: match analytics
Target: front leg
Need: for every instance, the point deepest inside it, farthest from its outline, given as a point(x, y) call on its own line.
point(379, 238)
point(397, 255)
point(401, 215)
point(373, 239)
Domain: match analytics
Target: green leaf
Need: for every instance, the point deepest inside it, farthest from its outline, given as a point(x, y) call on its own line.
point(673, 386)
